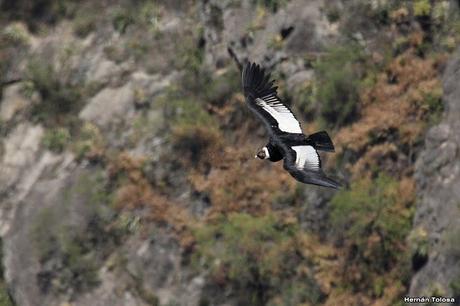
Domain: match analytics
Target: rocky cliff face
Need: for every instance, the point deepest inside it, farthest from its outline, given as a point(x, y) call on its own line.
point(436, 222)
point(124, 169)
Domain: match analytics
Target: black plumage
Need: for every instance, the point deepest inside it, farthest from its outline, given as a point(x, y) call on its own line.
point(286, 139)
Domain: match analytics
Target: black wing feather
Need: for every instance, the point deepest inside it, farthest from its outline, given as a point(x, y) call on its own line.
point(257, 84)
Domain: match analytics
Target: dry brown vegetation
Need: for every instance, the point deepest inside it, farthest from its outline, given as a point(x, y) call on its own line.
point(134, 193)
point(238, 182)
point(251, 216)
point(394, 114)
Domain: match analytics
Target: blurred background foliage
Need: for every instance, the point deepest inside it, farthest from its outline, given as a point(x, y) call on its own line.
point(376, 92)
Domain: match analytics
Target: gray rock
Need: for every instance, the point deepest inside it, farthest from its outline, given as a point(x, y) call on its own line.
point(157, 262)
point(315, 212)
point(437, 173)
point(20, 155)
point(103, 70)
point(303, 24)
point(62, 199)
point(13, 101)
point(21, 262)
point(109, 105)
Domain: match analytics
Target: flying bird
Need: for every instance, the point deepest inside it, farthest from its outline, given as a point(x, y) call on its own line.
point(286, 139)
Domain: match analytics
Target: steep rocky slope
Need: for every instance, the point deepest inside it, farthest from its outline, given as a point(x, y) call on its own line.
point(436, 222)
point(126, 169)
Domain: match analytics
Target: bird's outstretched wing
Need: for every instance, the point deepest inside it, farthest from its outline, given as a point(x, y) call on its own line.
point(304, 164)
point(262, 99)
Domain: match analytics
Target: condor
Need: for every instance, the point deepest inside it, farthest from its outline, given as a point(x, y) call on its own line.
point(286, 139)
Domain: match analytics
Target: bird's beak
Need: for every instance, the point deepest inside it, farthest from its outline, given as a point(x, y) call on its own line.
point(255, 156)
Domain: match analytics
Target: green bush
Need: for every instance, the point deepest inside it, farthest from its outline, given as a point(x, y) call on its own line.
point(253, 254)
point(67, 257)
point(305, 101)
point(434, 104)
point(5, 299)
point(139, 13)
point(372, 225)
point(193, 130)
point(333, 13)
point(337, 88)
point(422, 8)
point(419, 242)
point(272, 5)
point(14, 34)
point(185, 111)
point(222, 87)
point(89, 139)
point(59, 94)
point(191, 58)
point(70, 255)
point(85, 23)
point(14, 43)
point(121, 19)
point(56, 139)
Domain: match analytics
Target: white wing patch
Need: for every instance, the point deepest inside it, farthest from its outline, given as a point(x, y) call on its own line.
point(306, 157)
point(286, 120)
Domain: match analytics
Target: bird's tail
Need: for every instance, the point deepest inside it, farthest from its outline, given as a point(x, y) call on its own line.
point(321, 141)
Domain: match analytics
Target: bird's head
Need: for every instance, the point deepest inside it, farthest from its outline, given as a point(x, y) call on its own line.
point(263, 153)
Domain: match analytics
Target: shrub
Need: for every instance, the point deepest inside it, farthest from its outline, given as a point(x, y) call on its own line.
point(194, 133)
point(139, 13)
point(14, 43)
point(304, 97)
point(71, 255)
point(195, 143)
point(121, 19)
point(422, 8)
point(420, 247)
point(16, 33)
point(333, 13)
point(373, 227)
point(183, 111)
point(191, 58)
point(90, 143)
point(338, 79)
point(272, 5)
point(5, 299)
point(85, 23)
point(253, 254)
point(60, 95)
point(222, 87)
point(432, 101)
point(56, 139)
point(300, 292)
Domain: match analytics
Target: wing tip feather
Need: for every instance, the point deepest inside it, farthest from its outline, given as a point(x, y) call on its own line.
point(256, 81)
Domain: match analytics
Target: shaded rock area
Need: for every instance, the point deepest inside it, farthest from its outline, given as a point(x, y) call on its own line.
point(299, 27)
point(438, 208)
